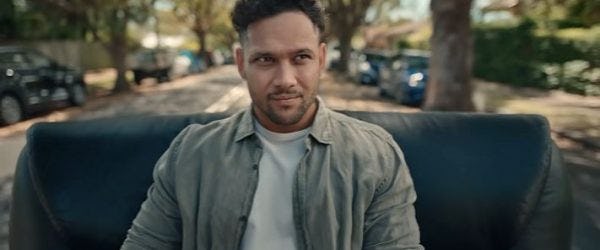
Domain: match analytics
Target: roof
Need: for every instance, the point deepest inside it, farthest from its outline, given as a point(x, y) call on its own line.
point(499, 5)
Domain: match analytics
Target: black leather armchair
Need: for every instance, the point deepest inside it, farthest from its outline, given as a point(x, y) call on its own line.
point(483, 181)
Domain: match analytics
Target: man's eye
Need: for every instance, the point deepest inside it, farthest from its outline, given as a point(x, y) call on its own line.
point(302, 58)
point(264, 59)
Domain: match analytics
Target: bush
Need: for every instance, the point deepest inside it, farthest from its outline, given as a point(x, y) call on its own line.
point(516, 55)
point(507, 54)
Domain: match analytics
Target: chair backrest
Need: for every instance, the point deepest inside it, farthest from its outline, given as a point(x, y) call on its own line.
point(483, 181)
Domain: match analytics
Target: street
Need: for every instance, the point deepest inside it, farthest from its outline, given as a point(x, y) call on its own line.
point(221, 90)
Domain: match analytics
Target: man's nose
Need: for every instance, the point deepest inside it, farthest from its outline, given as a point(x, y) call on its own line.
point(286, 76)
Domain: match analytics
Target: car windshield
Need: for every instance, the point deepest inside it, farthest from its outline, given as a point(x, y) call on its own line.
point(417, 62)
point(12, 60)
point(145, 56)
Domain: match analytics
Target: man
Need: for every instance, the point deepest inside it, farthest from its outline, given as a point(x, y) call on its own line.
point(287, 173)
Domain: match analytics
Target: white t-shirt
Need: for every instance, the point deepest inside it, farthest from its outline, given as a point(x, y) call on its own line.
point(271, 222)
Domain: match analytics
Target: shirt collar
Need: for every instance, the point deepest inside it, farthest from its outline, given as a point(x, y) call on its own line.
point(245, 126)
point(320, 130)
point(321, 127)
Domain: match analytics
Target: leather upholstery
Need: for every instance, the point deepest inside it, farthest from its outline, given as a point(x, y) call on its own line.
point(483, 181)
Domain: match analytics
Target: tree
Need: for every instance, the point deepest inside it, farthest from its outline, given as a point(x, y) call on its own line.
point(31, 20)
point(449, 87)
point(345, 18)
point(203, 16)
point(106, 21)
point(223, 32)
point(587, 12)
point(7, 20)
point(579, 12)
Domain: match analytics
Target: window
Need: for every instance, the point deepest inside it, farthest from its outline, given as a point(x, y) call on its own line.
point(38, 61)
point(13, 60)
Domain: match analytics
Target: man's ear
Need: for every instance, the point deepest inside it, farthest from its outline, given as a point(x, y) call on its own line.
point(239, 61)
point(322, 56)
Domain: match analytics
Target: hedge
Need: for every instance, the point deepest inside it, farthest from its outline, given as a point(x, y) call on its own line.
point(517, 55)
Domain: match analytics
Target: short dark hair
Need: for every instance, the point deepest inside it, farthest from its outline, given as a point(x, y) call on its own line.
point(247, 12)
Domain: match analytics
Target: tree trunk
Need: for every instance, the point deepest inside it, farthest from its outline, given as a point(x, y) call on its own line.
point(7, 21)
point(202, 41)
point(203, 52)
point(118, 49)
point(157, 29)
point(449, 87)
point(345, 41)
point(346, 16)
point(118, 55)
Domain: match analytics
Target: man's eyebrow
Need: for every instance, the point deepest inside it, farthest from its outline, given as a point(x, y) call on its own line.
point(302, 51)
point(294, 52)
point(260, 54)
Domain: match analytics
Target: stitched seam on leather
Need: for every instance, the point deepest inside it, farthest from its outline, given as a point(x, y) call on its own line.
point(546, 164)
point(35, 182)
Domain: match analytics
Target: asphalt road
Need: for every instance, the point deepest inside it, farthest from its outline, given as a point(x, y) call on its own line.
point(9, 152)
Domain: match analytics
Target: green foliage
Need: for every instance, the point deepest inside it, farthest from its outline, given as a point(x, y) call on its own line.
point(7, 20)
point(403, 44)
point(587, 41)
point(505, 54)
point(33, 21)
point(209, 20)
point(37, 25)
point(515, 55)
point(417, 40)
point(585, 12)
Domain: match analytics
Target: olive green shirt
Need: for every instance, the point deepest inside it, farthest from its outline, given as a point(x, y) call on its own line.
point(352, 188)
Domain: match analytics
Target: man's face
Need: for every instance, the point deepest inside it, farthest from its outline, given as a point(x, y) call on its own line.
point(281, 59)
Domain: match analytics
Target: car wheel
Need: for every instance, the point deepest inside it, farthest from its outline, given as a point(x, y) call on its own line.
point(365, 80)
point(137, 78)
point(78, 95)
point(383, 93)
point(398, 96)
point(11, 110)
point(164, 76)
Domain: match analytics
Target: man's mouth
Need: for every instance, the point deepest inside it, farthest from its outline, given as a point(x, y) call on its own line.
point(285, 99)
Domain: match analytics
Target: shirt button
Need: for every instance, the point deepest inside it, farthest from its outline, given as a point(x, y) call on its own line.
point(255, 166)
point(243, 218)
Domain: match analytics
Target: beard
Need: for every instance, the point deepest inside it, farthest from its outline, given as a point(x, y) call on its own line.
point(287, 115)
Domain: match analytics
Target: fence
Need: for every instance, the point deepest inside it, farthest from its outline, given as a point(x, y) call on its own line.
point(75, 54)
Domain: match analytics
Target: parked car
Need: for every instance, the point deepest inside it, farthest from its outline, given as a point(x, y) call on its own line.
point(32, 82)
point(152, 63)
point(188, 63)
point(405, 77)
point(164, 64)
point(370, 64)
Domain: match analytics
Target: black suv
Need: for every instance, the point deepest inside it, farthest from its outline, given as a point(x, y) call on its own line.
point(31, 82)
